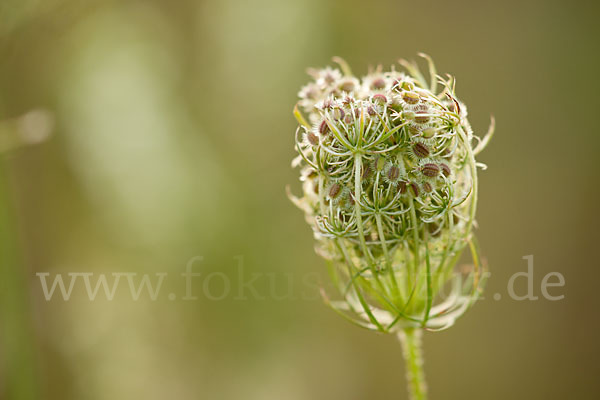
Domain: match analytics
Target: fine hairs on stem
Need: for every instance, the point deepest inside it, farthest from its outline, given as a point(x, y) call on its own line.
point(412, 350)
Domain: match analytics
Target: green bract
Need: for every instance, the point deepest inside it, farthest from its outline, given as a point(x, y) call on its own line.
point(389, 182)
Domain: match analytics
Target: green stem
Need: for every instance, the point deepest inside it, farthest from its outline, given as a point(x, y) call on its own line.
point(410, 339)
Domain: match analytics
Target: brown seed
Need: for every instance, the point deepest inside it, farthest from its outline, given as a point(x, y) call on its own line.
point(323, 128)
point(378, 83)
point(347, 86)
point(410, 97)
point(414, 189)
point(393, 173)
point(380, 98)
point(421, 117)
point(430, 170)
point(335, 190)
point(427, 187)
point(402, 187)
point(312, 138)
point(445, 169)
point(420, 150)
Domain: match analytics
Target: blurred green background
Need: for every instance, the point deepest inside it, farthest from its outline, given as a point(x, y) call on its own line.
point(171, 137)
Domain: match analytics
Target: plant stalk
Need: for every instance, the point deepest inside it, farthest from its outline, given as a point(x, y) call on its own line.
point(412, 349)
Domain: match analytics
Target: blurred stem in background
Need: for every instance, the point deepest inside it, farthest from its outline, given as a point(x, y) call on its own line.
point(412, 348)
point(17, 345)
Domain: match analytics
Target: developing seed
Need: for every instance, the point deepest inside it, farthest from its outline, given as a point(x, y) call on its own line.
point(347, 86)
point(329, 78)
point(323, 128)
point(445, 169)
point(421, 117)
point(312, 138)
point(420, 150)
point(393, 173)
point(402, 187)
point(410, 97)
point(379, 163)
point(335, 190)
point(408, 115)
point(380, 98)
point(428, 133)
point(414, 189)
point(427, 187)
point(407, 85)
point(378, 83)
point(430, 170)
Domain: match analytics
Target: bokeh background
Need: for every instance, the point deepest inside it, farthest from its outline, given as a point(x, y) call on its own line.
point(139, 134)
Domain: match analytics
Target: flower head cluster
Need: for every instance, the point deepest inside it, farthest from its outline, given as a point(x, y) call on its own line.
point(390, 188)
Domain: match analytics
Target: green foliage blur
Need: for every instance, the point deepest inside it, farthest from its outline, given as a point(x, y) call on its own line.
point(136, 135)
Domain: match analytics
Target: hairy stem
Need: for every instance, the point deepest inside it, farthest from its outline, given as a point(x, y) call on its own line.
point(410, 339)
